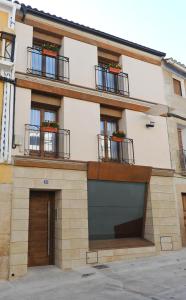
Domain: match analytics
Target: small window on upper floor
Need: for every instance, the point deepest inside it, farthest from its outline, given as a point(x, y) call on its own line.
point(44, 60)
point(7, 46)
point(109, 75)
point(177, 87)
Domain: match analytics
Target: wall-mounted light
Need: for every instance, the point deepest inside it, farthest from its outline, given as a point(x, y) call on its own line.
point(150, 124)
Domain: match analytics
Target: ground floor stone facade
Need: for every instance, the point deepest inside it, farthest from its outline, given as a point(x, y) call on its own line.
point(164, 225)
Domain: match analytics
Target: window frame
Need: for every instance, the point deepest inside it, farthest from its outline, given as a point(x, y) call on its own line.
point(37, 44)
point(182, 85)
point(177, 86)
point(106, 140)
point(44, 108)
point(103, 63)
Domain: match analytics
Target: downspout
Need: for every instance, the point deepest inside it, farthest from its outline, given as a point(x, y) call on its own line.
point(170, 152)
point(13, 119)
point(11, 81)
point(24, 11)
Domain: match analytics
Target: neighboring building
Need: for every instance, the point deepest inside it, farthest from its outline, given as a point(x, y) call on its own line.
point(7, 83)
point(77, 196)
point(175, 88)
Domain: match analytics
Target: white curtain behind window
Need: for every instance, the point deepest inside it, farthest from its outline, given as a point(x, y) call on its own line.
point(36, 61)
point(34, 130)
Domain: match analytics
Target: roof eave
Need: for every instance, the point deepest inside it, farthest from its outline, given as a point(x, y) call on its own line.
point(113, 38)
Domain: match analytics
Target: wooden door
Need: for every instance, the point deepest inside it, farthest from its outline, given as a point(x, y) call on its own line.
point(184, 208)
point(41, 229)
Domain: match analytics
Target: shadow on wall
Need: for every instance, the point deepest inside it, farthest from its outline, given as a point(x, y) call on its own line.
point(129, 229)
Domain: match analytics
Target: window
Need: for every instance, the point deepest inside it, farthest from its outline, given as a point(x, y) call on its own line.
point(115, 209)
point(177, 87)
point(43, 65)
point(42, 143)
point(109, 148)
point(108, 81)
point(7, 45)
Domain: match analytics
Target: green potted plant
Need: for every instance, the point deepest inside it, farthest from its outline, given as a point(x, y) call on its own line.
point(49, 126)
point(114, 68)
point(50, 49)
point(118, 136)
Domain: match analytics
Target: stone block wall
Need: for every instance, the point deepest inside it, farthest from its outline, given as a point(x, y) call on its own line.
point(149, 228)
point(5, 217)
point(162, 225)
point(180, 187)
point(71, 237)
point(165, 214)
point(173, 125)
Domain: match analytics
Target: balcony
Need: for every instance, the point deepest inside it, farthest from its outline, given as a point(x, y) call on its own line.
point(54, 68)
point(122, 152)
point(51, 145)
point(109, 82)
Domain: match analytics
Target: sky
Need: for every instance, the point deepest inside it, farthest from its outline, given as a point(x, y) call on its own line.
point(158, 24)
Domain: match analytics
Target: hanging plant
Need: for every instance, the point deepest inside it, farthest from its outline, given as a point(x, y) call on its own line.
point(50, 49)
point(114, 68)
point(48, 126)
point(118, 136)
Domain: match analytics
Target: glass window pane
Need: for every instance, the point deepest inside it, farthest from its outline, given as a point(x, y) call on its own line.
point(49, 116)
point(36, 61)
point(100, 77)
point(50, 142)
point(35, 117)
point(121, 84)
point(50, 67)
point(34, 130)
point(115, 209)
point(50, 138)
point(102, 131)
point(111, 127)
point(34, 139)
point(110, 82)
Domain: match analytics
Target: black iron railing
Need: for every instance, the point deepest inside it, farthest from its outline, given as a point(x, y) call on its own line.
point(182, 155)
point(109, 82)
point(51, 67)
point(42, 143)
point(7, 46)
point(109, 150)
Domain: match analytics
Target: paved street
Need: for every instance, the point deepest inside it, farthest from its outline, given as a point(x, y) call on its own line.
point(155, 278)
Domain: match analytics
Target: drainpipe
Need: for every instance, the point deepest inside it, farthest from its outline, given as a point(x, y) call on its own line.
point(13, 119)
point(24, 11)
point(11, 81)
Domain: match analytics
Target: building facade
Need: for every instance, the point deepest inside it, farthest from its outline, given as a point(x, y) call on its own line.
point(7, 88)
point(76, 193)
point(175, 89)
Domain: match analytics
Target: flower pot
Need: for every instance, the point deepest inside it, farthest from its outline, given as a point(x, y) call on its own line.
point(114, 70)
point(49, 52)
point(49, 129)
point(117, 139)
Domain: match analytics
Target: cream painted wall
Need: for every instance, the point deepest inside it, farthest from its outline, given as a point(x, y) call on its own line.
point(145, 79)
point(22, 116)
point(83, 58)
point(83, 120)
point(24, 36)
point(151, 147)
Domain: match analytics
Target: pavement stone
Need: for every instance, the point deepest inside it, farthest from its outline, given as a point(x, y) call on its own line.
point(160, 277)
